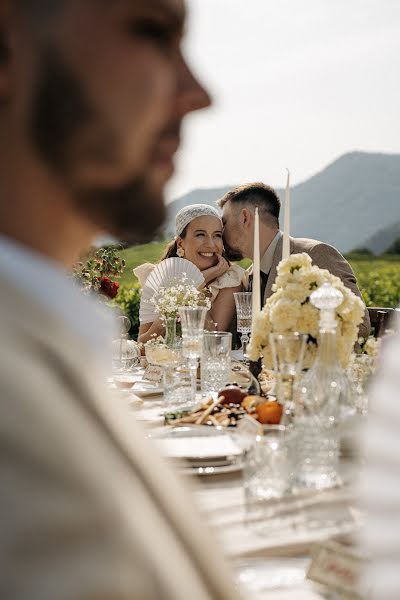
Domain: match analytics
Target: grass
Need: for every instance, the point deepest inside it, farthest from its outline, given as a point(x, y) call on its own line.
point(137, 255)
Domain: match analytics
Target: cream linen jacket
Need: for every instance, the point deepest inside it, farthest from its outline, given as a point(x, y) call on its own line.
point(323, 256)
point(88, 511)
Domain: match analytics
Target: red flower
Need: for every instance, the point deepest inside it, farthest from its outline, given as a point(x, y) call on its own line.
point(108, 287)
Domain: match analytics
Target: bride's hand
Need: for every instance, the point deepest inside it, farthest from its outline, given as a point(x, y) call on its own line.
point(216, 271)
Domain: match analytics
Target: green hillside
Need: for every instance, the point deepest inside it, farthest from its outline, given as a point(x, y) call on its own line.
point(137, 255)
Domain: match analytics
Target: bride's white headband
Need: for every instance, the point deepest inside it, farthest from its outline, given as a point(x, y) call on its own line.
point(188, 213)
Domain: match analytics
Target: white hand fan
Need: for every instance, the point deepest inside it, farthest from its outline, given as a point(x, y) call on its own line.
point(165, 274)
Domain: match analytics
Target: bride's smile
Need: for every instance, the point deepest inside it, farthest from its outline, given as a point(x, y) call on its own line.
point(202, 242)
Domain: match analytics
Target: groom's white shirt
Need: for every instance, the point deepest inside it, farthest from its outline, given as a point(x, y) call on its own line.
point(267, 258)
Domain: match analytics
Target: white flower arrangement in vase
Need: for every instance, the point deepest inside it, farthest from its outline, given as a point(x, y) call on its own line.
point(289, 310)
point(168, 300)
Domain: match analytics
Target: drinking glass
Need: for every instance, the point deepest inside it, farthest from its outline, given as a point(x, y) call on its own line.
point(215, 360)
point(177, 384)
point(268, 467)
point(243, 301)
point(288, 353)
point(125, 352)
point(159, 354)
point(192, 323)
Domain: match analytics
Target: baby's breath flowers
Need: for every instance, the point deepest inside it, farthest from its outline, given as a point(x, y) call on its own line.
point(289, 310)
point(168, 300)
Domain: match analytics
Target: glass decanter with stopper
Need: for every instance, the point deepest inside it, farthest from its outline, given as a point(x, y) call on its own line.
point(325, 400)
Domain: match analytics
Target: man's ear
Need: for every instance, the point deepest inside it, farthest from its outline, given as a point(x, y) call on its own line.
point(246, 217)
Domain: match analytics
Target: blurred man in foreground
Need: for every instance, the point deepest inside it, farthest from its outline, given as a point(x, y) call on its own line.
point(92, 93)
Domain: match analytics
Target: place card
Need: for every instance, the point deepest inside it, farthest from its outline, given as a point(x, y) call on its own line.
point(153, 373)
point(337, 567)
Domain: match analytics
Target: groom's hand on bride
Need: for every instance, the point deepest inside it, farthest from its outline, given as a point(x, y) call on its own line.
point(216, 271)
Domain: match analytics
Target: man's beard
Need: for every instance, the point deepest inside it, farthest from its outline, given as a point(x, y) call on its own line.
point(60, 111)
point(232, 254)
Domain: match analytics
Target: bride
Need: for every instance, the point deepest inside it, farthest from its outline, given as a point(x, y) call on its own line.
point(198, 229)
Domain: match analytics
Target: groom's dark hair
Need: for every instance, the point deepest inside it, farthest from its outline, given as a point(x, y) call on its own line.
point(256, 194)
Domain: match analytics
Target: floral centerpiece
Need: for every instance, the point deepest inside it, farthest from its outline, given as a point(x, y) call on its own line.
point(289, 309)
point(168, 300)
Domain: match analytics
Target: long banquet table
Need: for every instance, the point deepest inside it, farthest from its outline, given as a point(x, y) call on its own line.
point(220, 498)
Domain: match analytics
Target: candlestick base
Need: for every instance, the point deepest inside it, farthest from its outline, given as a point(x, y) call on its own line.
point(255, 368)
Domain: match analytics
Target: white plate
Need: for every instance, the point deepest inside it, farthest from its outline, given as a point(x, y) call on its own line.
point(221, 470)
point(206, 450)
point(146, 388)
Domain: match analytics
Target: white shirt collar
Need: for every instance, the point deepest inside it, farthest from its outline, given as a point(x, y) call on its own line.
point(50, 287)
point(266, 260)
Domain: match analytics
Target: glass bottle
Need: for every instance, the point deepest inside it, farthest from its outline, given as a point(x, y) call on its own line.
point(324, 400)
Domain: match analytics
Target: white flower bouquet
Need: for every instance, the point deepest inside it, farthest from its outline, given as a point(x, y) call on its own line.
point(289, 310)
point(168, 300)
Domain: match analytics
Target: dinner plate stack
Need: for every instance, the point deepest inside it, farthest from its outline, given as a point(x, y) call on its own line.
point(167, 273)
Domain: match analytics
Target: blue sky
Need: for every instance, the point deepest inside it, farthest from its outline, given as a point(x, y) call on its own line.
point(296, 83)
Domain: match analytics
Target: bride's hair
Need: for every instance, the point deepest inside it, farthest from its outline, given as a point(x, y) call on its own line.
point(172, 246)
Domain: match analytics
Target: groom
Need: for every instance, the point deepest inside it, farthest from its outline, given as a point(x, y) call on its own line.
point(238, 218)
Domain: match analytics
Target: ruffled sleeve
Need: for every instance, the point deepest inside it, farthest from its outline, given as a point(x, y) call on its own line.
point(233, 277)
point(143, 271)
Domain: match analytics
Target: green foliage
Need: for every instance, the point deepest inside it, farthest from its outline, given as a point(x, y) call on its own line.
point(128, 300)
point(99, 263)
point(360, 252)
point(394, 248)
point(379, 281)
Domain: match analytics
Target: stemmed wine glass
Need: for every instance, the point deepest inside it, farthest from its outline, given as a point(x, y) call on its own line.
point(192, 323)
point(243, 301)
point(287, 352)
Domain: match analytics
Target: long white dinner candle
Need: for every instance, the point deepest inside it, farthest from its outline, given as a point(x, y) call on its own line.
point(286, 227)
point(256, 298)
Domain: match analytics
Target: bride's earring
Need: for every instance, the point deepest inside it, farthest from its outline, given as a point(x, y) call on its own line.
point(180, 252)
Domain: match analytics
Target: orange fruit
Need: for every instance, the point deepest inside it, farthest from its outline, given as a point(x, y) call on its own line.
point(250, 402)
point(269, 413)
